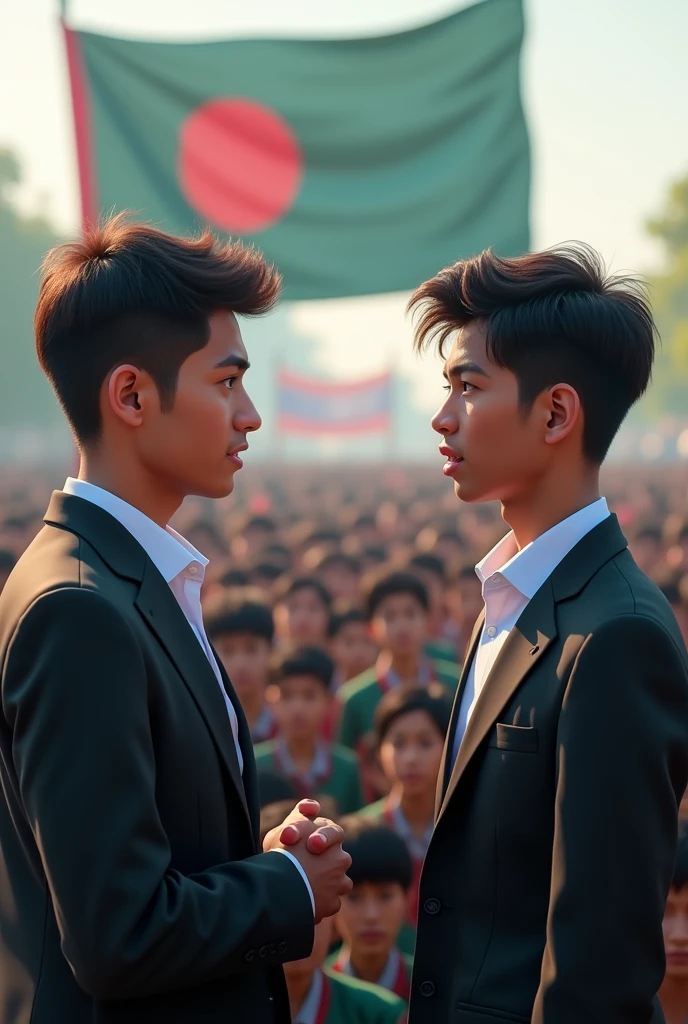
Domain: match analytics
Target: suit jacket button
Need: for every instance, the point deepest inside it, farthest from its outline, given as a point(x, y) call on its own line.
point(263, 951)
point(427, 989)
point(432, 906)
point(282, 947)
point(248, 957)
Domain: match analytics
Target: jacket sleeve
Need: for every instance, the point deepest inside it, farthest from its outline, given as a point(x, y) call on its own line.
point(622, 764)
point(75, 695)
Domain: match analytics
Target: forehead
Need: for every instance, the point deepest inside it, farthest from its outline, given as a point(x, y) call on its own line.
point(470, 344)
point(225, 337)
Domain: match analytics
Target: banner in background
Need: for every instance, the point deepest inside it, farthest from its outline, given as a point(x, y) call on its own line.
point(306, 406)
point(358, 166)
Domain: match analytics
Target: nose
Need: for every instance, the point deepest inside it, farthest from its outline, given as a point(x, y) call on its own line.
point(445, 421)
point(246, 416)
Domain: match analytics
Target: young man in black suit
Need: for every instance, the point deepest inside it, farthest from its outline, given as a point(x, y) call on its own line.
point(568, 750)
point(132, 883)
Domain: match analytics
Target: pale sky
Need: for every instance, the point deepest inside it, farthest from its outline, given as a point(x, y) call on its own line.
point(605, 86)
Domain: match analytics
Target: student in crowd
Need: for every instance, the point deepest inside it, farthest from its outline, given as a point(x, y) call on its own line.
point(410, 731)
point(340, 574)
point(443, 634)
point(397, 609)
point(300, 698)
point(351, 646)
point(469, 603)
point(302, 612)
point(321, 996)
point(375, 910)
point(673, 995)
point(242, 634)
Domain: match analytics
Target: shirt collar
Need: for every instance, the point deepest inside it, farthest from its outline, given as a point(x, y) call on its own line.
point(168, 550)
point(311, 1004)
point(527, 570)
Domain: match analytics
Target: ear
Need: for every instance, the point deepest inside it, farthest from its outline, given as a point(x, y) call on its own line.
point(563, 413)
point(130, 393)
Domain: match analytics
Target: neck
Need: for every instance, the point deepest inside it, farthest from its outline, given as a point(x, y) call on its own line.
point(302, 750)
point(370, 967)
point(418, 809)
point(550, 501)
point(297, 989)
point(406, 666)
point(120, 475)
point(673, 995)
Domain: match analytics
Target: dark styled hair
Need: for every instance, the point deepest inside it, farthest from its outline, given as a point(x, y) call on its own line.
point(327, 559)
point(378, 854)
point(127, 292)
point(551, 317)
point(290, 587)
point(395, 583)
point(432, 700)
point(303, 661)
point(427, 562)
point(224, 616)
point(341, 619)
point(680, 877)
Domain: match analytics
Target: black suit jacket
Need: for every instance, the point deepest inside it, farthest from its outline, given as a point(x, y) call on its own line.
point(544, 885)
point(131, 886)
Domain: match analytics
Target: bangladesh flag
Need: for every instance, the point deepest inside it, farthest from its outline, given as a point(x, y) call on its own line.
point(356, 165)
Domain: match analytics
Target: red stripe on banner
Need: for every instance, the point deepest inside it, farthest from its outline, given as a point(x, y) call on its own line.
point(82, 127)
point(297, 425)
point(293, 380)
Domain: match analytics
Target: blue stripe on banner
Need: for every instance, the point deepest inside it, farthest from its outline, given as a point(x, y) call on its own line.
point(332, 408)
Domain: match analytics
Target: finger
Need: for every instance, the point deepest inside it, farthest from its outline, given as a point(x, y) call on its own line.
point(324, 838)
point(309, 808)
point(290, 835)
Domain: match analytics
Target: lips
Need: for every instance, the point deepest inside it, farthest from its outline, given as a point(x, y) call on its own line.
point(450, 454)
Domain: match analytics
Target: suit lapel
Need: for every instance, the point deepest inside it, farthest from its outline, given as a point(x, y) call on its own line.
point(159, 607)
point(523, 648)
point(446, 763)
point(249, 776)
point(525, 645)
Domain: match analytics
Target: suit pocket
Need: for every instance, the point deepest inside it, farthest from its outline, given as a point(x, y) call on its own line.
point(467, 1013)
point(523, 739)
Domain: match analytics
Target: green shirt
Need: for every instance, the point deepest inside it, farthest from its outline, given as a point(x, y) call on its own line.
point(341, 781)
point(361, 696)
point(356, 1002)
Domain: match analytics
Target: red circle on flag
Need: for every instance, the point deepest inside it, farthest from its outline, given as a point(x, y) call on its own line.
point(240, 164)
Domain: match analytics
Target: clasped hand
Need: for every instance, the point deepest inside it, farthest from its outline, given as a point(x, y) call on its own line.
point(317, 845)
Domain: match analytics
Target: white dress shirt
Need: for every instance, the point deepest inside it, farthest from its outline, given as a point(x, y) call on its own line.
point(510, 579)
point(183, 569)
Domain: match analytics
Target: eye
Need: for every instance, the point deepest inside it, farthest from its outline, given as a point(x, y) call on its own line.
point(465, 384)
point(228, 381)
point(446, 387)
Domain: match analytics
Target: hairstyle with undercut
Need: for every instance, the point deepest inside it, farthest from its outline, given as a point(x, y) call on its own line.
point(551, 317)
point(128, 293)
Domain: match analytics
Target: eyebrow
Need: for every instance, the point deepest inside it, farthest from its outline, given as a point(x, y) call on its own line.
point(458, 369)
point(240, 362)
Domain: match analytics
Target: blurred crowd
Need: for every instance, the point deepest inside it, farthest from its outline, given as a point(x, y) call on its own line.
point(341, 601)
